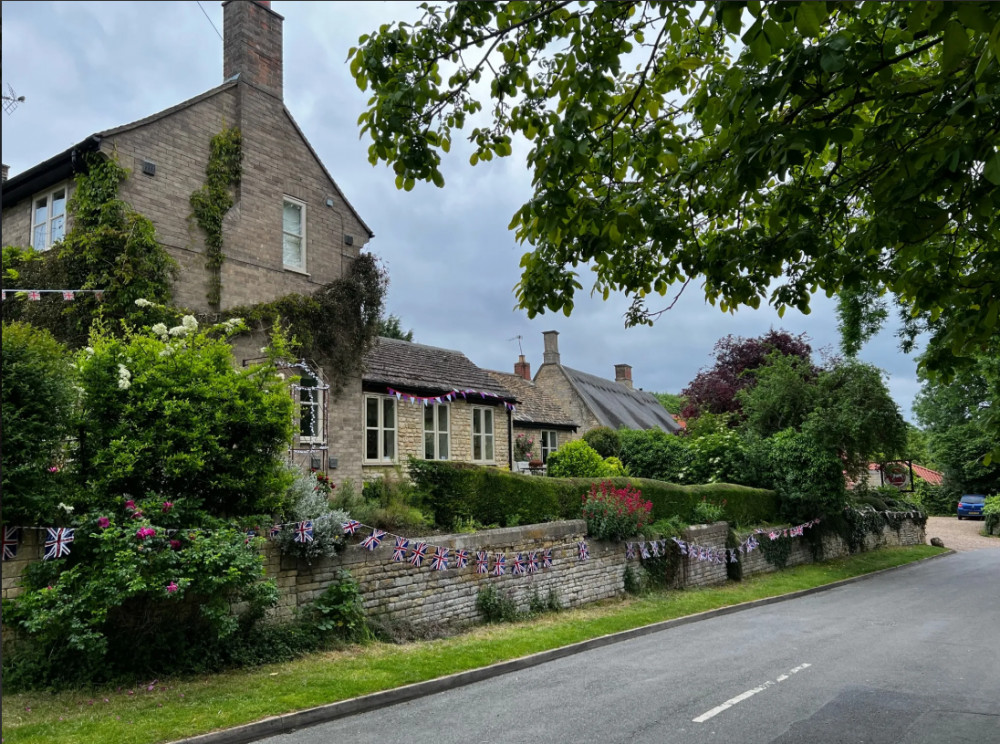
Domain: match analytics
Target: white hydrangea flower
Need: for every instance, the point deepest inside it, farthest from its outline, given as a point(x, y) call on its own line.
point(124, 377)
point(178, 331)
point(189, 322)
point(66, 507)
point(143, 303)
point(90, 350)
point(160, 329)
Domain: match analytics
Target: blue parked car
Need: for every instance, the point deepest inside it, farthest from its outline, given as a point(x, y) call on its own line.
point(971, 505)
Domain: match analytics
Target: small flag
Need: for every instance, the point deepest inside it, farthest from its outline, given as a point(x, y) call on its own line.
point(34, 296)
point(461, 558)
point(99, 295)
point(350, 526)
point(547, 558)
point(629, 551)
point(373, 540)
point(518, 567)
point(532, 564)
point(439, 561)
point(57, 542)
point(643, 550)
point(654, 548)
point(499, 564)
point(68, 295)
point(273, 532)
point(304, 532)
point(11, 535)
point(399, 551)
point(584, 551)
point(418, 554)
point(482, 562)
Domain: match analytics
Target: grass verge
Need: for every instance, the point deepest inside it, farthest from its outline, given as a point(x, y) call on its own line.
point(171, 709)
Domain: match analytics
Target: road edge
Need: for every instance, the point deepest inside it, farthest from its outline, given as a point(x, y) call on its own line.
point(288, 722)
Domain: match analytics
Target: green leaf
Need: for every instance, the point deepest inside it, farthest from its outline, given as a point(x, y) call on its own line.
point(992, 170)
point(807, 19)
point(732, 17)
point(956, 45)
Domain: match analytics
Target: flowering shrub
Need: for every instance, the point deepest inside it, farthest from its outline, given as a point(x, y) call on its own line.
point(523, 447)
point(308, 499)
point(615, 513)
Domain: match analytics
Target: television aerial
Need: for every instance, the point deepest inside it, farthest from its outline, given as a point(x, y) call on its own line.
point(11, 100)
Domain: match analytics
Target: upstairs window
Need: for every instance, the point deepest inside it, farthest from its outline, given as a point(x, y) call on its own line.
point(48, 222)
point(310, 409)
point(436, 443)
point(293, 235)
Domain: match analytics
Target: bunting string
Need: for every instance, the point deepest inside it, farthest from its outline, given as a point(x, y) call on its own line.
point(35, 295)
point(448, 397)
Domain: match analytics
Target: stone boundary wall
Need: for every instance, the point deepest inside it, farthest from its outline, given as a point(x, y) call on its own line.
point(421, 598)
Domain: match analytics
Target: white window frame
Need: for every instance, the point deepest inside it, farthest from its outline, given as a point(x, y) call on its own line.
point(485, 437)
point(49, 217)
point(381, 429)
point(311, 396)
point(548, 442)
point(302, 236)
point(436, 411)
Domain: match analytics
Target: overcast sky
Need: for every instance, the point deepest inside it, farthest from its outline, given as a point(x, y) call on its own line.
point(88, 66)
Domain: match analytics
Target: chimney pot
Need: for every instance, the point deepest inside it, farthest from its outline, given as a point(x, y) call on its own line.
point(522, 368)
point(623, 374)
point(551, 354)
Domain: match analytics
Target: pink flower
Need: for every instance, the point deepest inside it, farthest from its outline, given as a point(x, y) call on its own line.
point(137, 514)
point(145, 532)
point(175, 544)
point(54, 469)
point(171, 588)
point(103, 523)
point(167, 506)
point(130, 505)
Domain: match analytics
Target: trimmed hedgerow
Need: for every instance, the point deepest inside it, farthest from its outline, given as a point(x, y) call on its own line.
point(460, 491)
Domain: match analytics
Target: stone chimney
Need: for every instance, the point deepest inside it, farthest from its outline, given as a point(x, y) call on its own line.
point(251, 45)
point(623, 374)
point(522, 368)
point(551, 355)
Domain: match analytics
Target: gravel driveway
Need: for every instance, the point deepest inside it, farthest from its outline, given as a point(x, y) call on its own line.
point(960, 535)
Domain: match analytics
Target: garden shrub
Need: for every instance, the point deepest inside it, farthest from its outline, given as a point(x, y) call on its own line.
point(168, 412)
point(938, 501)
point(391, 502)
point(339, 610)
point(308, 499)
point(604, 440)
point(524, 447)
point(808, 477)
point(615, 513)
point(37, 416)
point(653, 454)
point(497, 605)
point(576, 459)
point(707, 512)
point(991, 515)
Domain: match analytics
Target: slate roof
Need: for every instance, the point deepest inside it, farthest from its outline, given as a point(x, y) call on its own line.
point(617, 406)
point(535, 408)
point(416, 367)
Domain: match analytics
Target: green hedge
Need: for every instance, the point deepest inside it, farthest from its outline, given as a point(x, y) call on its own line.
point(459, 491)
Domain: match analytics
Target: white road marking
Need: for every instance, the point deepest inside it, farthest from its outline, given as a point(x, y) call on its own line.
point(749, 693)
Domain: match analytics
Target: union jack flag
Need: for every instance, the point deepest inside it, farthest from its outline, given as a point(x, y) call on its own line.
point(461, 558)
point(547, 558)
point(68, 294)
point(419, 553)
point(304, 531)
point(439, 561)
point(654, 548)
point(629, 551)
point(399, 552)
point(643, 550)
point(57, 542)
point(350, 526)
point(499, 564)
point(532, 565)
point(482, 562)
point(518, 567)
point(251, 534)
point(774, 535)
point(35, 296)
point(373, 540)
point(10, 537)
point(732, 556)
point(273, 532)
point(584, 551)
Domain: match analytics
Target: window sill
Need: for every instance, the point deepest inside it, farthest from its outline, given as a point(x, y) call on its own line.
point(294, 270)
point(377, 463)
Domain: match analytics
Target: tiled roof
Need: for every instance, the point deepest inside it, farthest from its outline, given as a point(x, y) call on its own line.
point(616, 406)
point(535, 406)
point(931, 476)
point(403, 364)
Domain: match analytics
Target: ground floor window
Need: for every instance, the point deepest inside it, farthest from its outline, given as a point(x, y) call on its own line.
point(436, 432)
point(380, 428)
point(482, 434)
point(549, 443)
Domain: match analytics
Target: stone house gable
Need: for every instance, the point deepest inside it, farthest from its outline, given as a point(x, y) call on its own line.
point(594, 401)
point(284, 187)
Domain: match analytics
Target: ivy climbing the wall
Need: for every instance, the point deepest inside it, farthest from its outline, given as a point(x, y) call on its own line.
point(110, 247)
point(213, 200)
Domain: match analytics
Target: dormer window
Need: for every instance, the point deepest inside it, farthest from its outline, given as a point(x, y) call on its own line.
point(48, 222)
point(293, 235)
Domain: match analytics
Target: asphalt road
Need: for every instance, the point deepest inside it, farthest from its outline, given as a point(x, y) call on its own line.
point(905, 657)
